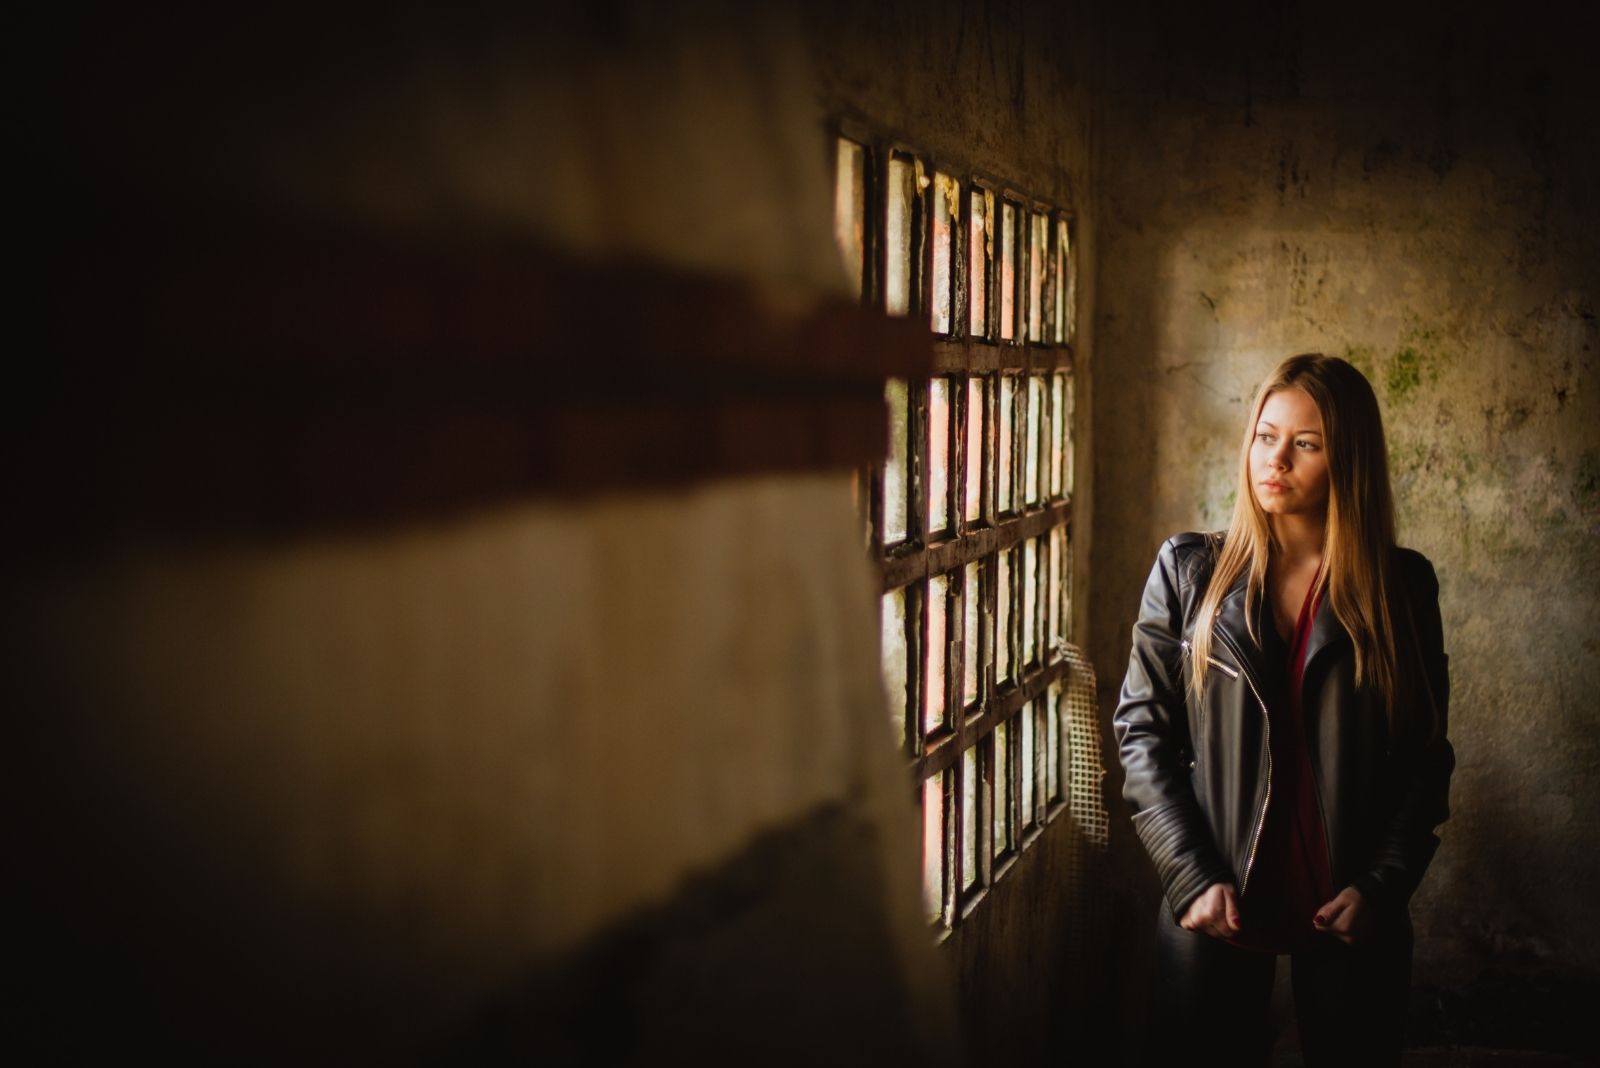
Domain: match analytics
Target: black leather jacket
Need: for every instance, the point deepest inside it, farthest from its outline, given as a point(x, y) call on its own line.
point(1199, 774)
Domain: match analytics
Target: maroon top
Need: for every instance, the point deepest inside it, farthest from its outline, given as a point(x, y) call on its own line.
point(1289, 879)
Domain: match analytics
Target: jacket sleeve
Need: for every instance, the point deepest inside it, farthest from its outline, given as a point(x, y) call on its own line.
point(1422, 791)
point(1152, 730)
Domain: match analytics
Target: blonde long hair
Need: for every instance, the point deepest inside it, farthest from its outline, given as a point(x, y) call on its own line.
point(1358, 546)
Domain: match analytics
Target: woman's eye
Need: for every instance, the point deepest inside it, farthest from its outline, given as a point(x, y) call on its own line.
point(1264, 438)
point(1306, 445)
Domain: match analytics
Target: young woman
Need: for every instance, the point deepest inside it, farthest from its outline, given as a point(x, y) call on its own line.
point(1282, 727)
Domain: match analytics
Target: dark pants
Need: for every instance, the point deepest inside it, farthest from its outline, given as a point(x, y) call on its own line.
point(1212, 1000)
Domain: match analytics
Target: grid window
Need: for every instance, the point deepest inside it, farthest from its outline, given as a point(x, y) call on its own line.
point(971, 509)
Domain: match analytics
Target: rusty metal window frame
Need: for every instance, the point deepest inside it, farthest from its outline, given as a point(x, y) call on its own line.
point(1020, 699)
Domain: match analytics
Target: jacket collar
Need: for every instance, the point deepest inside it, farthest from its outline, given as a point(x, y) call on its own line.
point(1326, 630)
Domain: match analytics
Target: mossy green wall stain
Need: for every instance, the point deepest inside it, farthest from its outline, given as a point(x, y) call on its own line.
point(1404, 376)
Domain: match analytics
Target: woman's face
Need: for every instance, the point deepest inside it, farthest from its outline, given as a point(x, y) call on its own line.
point(1288, 458)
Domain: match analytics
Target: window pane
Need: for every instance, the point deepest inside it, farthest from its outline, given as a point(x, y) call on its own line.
point(895, 658)
point(1029, 599)
point(1066, 447)
point(1007, 415)
point(1035, 432)
point(972, 597)
point(1037, 236)
point(974, 494)
point(1008, 271)
point(1052, 765)
point(980, 251)
point(1002, 788)
point(1058, 430)
point(934, 654)
point(897, 235)
point(1025, 765)
point(1003, 610)
point(894, 469)
point(1070, 272)
point(946, 206)
point(1041, 756)
point(938, 455)
point(1061, 281)
point(850, 210)
point(1052, 588)
point(1064, 586)
point(970, 785)
point(991, 625)
point(934, 833)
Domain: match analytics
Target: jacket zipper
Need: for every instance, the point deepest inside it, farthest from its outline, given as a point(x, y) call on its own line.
point(1255, 838)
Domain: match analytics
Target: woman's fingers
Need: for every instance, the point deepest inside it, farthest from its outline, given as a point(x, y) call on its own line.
point(1341, 916)
point(1214, 912)
point(1231, 906)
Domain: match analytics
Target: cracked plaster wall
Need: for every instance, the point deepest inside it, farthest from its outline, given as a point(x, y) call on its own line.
point(1419, 197)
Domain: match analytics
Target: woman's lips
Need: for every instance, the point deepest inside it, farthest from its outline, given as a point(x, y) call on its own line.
point(1273, 487)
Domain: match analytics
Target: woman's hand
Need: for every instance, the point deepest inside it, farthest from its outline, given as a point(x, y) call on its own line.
point(1346, 917)
point(1216, 912)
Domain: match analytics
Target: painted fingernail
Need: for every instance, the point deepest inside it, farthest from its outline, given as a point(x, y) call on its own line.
point(1319, 921)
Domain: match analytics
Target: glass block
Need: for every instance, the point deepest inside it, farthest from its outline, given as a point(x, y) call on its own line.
point(1003, 450)
point(1028, 621)
point(894, 468)
point(1052, 761)
point(970, 784)
point(1002, 788)
point(1008, 271)
point(946, 211)
point(1038, 237)
point(974, 492)
point(1003, 616)
point(938, 455)
point(896, 659)
point(934, 654)
point(901, 190)
point(1058, 430)
point(850, 210)
point(971, 600)
point(935, 832)
point(1030, 475)
point(1025, 770)
point(980, 252)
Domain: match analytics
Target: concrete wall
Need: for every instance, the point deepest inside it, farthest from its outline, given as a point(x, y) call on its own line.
point(1418, 195)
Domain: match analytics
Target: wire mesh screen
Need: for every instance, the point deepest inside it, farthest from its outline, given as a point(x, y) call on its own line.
point(1087, 875)
point(1085, 795)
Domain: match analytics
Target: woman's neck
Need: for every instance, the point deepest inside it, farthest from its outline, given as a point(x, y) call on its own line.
point(1299, 537)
